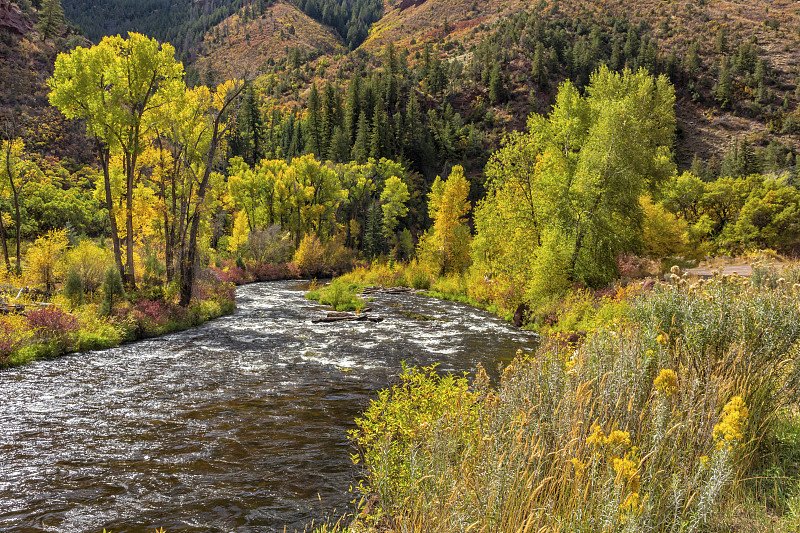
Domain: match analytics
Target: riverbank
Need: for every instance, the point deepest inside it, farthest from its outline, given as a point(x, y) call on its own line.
point(681, 412)
point(579, 310)
point(61, 328)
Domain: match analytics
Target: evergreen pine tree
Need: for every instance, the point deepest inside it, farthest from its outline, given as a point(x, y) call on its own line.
point(390, 73)
point(616, 62)
point(352, 107)
point(247, 139)
point(723, 90)
point(73, 287)
point(412, 134)
point(373, 233)
point(340, 146)
point(112, 290)
point(721, 41)
point(631, 47)
point(495, 85)
point(361, 147)
point(380, 131)
point(51, 19)
point(314, 144)
point(331, 116)
point(692, 64)
point(538, 68)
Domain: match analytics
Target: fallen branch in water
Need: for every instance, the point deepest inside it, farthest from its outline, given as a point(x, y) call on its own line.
point(391, 290)
point(346, 317)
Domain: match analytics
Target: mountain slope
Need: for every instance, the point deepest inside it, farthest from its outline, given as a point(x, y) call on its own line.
point(26, 61)
point(242, 45)
point(413, 22)
point(743, 86)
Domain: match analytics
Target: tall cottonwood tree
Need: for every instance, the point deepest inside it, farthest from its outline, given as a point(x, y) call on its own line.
point(393, 204)
point(120, 87)
point(563, 199)
point(212, 112)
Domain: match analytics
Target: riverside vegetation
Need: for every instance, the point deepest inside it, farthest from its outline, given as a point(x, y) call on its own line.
point(676, 415)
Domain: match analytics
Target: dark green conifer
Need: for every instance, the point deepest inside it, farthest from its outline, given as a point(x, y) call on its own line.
point(51, 19)
point(361, 147)
point(73, 287)
point(112, 290)
point(313, 125)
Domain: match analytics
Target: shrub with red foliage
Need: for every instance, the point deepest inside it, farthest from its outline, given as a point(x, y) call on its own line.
point(256, 271)
point(607, 292)
point(633, 267)
point(270, 272)
point(154, 310)
point(294, 270)
point(8, 341)
point(232, 274)
point(52, 321)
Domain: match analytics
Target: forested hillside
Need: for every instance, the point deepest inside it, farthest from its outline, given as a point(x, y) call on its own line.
point(247, 43)
point(185, 23)
point(735, 69)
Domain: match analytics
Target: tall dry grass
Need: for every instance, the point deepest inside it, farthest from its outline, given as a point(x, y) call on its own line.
point(646, 426)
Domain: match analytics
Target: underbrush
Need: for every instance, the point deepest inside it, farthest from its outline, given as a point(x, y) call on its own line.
point(678, 410)
point(59, 327)
point(239, 272)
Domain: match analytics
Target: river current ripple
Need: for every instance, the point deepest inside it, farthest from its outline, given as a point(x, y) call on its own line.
point(239, 425)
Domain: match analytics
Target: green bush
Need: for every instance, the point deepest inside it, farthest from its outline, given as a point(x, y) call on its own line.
point(424, 410)
point(421, 280)
point(98, 340)
point(73, 287)
point(340, 295)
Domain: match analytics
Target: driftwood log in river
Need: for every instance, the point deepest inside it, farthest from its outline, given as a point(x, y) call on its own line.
point(391, 290)
point(334, 316)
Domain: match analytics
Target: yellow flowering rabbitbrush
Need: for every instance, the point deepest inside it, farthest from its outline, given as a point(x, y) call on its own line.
point(729, 430)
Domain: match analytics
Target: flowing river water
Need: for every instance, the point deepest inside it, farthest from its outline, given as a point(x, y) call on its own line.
point(239, 425)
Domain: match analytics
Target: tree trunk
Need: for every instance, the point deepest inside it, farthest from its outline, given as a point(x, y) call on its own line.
point(17, 221)
point(105, 157)
point(4, 243)
point(580, 234)
point(130, 279)
point(15, 195)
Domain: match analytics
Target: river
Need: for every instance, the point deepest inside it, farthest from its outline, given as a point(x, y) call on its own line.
point(239, 425)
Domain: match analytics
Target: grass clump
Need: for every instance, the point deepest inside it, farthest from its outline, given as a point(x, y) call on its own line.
point(340, 295)
point(656, 422)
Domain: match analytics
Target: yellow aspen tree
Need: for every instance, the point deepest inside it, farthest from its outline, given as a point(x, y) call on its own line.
point(447, 243)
